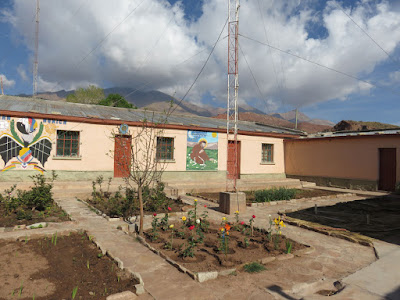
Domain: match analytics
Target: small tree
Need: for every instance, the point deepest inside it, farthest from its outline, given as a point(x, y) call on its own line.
point(116, 100)
point(90, 95)
point(145, 169)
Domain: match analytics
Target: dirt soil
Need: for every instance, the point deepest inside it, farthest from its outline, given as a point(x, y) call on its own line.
point(301, 193)
point(52, 214)
point(51, 268)
point(383, 212)
point(207, 255)
point(175, 205)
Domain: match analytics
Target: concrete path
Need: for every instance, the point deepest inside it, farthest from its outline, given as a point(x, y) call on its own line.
point(332, 259)
point(378, 280)
point(358, 192)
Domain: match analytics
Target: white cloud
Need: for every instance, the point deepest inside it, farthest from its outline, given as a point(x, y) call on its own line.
point(149, 47)
point(7, 83)
point(22, 73)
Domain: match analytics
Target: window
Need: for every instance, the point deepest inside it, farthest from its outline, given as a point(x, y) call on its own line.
point(165, 148)
point(267, 153)
point(67, 143)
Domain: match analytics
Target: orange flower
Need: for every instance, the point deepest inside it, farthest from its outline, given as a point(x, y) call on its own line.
point(227, 227)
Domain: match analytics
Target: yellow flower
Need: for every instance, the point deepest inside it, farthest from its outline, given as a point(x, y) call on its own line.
point(222, 229)
point(223, 218)
point(183, 218)
point(195, 200)
point(237, 212)
point(171, 226)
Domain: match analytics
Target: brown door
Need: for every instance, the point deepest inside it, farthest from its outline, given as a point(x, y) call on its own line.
point(122, 155)
point(387, 169)
point(233, 169)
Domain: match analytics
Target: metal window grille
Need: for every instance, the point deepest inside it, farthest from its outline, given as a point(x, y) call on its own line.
point(267, 152)
point(67, 143)
point(165, 148)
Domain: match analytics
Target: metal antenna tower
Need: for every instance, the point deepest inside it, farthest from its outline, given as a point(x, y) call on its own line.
point(233, 87)
point(35, 63)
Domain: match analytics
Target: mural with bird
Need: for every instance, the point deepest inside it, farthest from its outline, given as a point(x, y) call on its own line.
point(22, 149)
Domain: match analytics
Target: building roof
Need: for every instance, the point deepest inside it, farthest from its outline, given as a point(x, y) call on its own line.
point(85, 113)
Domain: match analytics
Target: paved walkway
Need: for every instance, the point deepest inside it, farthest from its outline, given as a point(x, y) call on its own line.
point(332, 259)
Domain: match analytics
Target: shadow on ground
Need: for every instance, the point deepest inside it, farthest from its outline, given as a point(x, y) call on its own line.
point(377, 217)
point(393, 295)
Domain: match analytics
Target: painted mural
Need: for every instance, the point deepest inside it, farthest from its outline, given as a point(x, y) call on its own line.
point(202, 151)
point(23, 145)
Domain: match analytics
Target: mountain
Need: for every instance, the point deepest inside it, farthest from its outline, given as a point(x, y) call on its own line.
point(301, 117)
point(279, 122)
point(350, 125)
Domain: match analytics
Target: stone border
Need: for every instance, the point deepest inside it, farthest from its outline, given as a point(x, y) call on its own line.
point(330, 231)
point(205, 276)
point(330, 197)
point(39, 225)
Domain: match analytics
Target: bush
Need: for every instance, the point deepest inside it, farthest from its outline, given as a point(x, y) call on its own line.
point(40, 196)
point(254, 267)
point(274, 194)
point(125, 205)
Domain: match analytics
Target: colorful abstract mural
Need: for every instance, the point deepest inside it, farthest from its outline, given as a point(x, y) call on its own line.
point(202, 151)
point(23, 145)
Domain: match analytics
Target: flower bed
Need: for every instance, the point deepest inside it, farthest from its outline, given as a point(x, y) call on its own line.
point(197, 247)
point(19, 208)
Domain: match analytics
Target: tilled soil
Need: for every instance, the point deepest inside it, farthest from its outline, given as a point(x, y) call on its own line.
point(208, 256)
point(378, 218)
point(50, 268)
point(52, 214)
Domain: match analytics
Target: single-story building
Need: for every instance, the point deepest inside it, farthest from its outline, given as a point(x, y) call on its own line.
point(81, 142)
point(356, 160)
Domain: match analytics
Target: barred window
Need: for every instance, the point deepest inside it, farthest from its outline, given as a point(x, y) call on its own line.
point(267, 155)
point(67, 143)
point(165, 148)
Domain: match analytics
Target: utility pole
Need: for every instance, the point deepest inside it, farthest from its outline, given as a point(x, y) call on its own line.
point(2, 91)
point(35, 63)
point(233, 87)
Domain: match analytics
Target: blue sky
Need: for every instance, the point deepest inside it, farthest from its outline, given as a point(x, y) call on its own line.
point(162, 45)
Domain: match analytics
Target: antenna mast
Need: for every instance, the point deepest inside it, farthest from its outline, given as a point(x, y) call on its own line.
point(35, 63)
point(233, 87)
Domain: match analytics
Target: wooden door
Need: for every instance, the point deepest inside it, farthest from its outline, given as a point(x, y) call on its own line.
point(122, 155)
point(232, 173)
point(387, 169)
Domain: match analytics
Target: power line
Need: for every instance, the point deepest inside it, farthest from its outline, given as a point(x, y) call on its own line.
point(108, 34)
point(202, 68)
point(318, 64)
point(366, 33)
point(279, 85)
point(255, 81)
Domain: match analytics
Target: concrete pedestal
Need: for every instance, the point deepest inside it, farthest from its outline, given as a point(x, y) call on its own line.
point(231, 202)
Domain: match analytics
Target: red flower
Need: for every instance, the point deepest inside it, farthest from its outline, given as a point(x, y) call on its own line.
point(205, 205)
point(191, 227)
point(254, 216)
point(169, 208)
point(242, 223)
point(154, 214)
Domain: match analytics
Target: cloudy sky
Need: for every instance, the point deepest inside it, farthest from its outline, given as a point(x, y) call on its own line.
point(318, 50)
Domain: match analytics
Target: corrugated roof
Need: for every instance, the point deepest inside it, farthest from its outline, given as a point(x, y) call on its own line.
point(60, 108)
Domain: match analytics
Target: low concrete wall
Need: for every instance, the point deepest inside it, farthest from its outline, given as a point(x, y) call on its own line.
point(355, 184)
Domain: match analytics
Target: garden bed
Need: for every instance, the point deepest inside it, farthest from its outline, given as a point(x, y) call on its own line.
point(53, 267)
point(299, 194)
point(217, 249)
point(27, 217)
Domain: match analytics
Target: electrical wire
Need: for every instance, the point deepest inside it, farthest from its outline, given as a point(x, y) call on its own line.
point(366, 33)
point(202, 68)
point(318, 64)
point(108, 34)
point(254, 78)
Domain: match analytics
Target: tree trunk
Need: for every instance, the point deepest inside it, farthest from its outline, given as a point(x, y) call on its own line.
point(141, 210)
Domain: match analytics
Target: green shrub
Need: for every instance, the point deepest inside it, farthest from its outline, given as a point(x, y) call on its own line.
point(40, 196)
point(274, 194)
point(254, 267)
